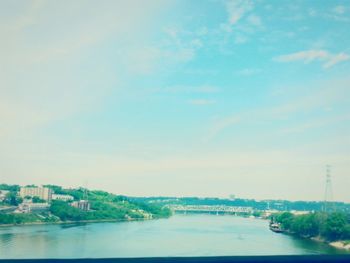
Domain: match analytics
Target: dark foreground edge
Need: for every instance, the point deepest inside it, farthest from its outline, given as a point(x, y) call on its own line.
point(245, 259)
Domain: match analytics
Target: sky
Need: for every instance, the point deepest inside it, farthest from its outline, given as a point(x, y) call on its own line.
point(177, 98)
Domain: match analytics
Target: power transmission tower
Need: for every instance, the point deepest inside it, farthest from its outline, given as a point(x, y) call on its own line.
point(328, 194)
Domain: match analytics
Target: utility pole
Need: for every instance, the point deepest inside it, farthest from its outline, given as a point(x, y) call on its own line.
point(328, 194)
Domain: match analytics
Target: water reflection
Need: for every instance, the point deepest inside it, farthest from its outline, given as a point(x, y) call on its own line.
point(6, 238)
point(65, 226)
point(190, 235)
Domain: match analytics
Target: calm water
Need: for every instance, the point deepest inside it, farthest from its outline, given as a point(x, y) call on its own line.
point(181, 235)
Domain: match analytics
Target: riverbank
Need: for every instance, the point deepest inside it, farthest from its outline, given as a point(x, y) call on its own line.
point(79, 222)
point(340, 244)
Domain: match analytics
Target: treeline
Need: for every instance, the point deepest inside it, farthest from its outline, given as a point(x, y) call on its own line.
point(108, 211)
point(328, 226)
point(280, 205)
point(17, 219)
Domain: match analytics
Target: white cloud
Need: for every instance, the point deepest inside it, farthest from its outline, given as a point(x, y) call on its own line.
point(314, 124)
point(240, 39)
point(147, 60)
point(308, 56)
point(335, 59)
point(248, 71)
point(320, 95)
point(191, 89)
point(254, 20)
point(340, 9)
point(222, 124)
point(312, 12)
point(178, 45)
point(237, 9)
point(201, 102)
point(52, 45)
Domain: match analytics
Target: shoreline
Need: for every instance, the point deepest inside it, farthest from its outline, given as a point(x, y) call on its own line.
point(79, 222)
point(339, 244)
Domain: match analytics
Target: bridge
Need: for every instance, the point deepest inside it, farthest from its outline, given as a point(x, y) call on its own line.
point(210, 209)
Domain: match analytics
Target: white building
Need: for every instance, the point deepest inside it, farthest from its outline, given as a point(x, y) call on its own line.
point(82, 205)
point(65, 198)
point(41, 192)
point(29, 207)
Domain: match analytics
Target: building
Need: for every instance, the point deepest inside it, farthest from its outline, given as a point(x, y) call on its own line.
point(32, 207)
point(297, 213)
point(65, 198)
point(41, 192)
point(82, 205)
point(3, 194)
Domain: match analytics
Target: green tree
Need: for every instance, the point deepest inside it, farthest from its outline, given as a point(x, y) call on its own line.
point(66, 212)
point(12, 188)
point(12, 199)
point(285, 219)
point(335, 227)
point(36, 199)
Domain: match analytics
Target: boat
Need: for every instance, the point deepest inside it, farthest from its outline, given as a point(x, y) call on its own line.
point(276, 227)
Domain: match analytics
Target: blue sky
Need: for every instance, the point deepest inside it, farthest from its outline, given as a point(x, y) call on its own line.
point(177, 98)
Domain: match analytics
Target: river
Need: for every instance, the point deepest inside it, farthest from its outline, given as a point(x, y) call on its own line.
point(180, 235)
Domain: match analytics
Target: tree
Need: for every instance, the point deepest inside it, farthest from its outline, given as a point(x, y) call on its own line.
point(335, 227)
point(12, 188)
point(36, 199)
point(306, 225)
point(12, 199)
point(66, 212)
point(285, 219)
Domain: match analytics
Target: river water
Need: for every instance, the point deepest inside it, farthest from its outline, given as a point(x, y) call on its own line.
point(180, 235)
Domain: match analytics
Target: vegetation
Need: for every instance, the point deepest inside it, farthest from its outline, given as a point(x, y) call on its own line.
point(103, 206)
point(11, 188)
point(19, 218)
point(36, 199)
point(280, 205)
point(329, 226)
point(12, 199)
point(157, 211)
point(108, 211)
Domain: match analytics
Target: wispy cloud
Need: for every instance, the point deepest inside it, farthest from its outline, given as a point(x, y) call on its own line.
point(254, 20)
point(339, 9)
point(335, 59)
point(248, 71)
point(308, 56)
point(147, 60)
point(191, 89)
point(320, 97)
point(314, 124)
point(201, 102)
point(42, 38)
point(237, 9)
point(222, 124)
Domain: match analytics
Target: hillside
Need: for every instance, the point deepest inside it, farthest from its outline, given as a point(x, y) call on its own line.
point(104, 206)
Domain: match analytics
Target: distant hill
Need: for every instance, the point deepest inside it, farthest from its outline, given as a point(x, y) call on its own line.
point(280, 205)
